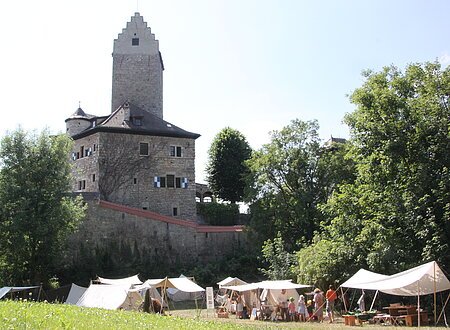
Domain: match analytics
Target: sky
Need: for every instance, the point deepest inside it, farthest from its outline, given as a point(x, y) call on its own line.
point(253, 65)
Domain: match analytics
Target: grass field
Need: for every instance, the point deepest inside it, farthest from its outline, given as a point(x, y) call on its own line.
point(32, 315)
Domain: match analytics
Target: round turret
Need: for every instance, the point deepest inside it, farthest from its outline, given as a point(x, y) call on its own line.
point(78, 122)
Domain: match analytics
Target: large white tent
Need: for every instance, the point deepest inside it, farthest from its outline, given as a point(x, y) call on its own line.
point(110, 297)
point(421, 280)
point(127, 281)
point(75, 293)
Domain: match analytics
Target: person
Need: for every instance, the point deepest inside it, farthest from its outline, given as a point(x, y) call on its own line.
point(318, 304)
point(361, 302)
point(331, 296)
point(291, 309)
point(310, 310)
point(282, 304)
point(301, 309)
point(239, 308)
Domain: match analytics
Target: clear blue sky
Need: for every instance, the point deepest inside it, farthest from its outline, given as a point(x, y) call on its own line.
point(253, 65)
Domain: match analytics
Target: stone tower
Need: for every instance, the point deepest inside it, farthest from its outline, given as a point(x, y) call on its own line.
point(137, 68)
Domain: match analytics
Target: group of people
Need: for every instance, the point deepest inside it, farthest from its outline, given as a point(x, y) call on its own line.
point(307, 310)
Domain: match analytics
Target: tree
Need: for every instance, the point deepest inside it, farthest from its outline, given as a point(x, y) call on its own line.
point(279, 261)
point(37, 213)
point(283, 178)
point(226, 169)
point(396, 214)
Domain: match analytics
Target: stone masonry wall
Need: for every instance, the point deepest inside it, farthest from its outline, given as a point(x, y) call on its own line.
point(176, 242)
point(115, 168)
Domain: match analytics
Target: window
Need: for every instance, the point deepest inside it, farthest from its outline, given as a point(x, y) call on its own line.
point(170, 181)
point(143, 149)
point(94, 146)
point(135, 42)
point(175, 151)
point(81, 151)
point(175, 211)
point(135, 180)
point(159, 182)
point(178, 182)
point(93, 177)
point(137, 121)
point(88, 152)
point(82, 185)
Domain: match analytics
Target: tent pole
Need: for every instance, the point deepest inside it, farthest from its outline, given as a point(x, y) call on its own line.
point(443, 308)
point(373, 301)
point(434, 281)
point(343, 299)
point(418, 305)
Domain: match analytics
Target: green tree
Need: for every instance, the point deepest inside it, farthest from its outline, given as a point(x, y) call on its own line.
point(226, 169)
point(283, 178)
point(396, 214)
point(36, 213)
point(277, 259)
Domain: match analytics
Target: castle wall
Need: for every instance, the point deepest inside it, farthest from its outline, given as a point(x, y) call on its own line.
point(177, 242)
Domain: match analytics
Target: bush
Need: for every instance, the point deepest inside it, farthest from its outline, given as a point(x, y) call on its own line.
point(216, 214)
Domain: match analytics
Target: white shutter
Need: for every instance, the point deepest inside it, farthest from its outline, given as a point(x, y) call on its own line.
point(184, 183)
point(157, 182)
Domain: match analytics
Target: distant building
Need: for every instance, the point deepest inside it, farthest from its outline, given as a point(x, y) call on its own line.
point(333, 141)
point(132, 156)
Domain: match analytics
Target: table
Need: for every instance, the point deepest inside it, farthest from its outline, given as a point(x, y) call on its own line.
point(401, 310)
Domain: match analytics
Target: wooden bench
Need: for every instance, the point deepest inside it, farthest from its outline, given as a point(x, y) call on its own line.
point(411, 319)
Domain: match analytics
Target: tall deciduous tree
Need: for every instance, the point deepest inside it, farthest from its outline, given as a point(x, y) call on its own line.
point(397, 212)
point(226, 169)
point(284, 191)
point(36, 213)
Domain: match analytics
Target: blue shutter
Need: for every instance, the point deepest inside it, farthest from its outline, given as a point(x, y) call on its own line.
point(184, 183)
point(156, 182)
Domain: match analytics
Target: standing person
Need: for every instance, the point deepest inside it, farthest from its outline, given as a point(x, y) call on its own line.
point(331, 296)
point(318, 304)
point(282, 300)
point(301, 309)
point(361, 302)
point(291, 309)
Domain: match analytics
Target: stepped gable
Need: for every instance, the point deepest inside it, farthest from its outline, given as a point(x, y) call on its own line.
point(130, 119)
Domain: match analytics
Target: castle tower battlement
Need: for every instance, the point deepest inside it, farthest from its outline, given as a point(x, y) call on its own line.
point(137, 68)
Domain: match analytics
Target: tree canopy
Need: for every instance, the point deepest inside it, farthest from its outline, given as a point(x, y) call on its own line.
point(396, 213)
point(226, 168)
point(37, 213)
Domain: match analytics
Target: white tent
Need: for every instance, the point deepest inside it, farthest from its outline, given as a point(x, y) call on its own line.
point(127, 281)
point(10, 289)
point(182, 295)
point(231, 281)
point(75, 294)
point(420, 280)
point(110, 297)
point(360, 277)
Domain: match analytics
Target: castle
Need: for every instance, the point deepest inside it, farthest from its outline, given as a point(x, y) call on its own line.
point(137, 175)
point(132, 156)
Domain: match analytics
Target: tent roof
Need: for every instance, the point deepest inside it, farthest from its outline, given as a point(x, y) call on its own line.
point(127, 281)
point(104, 296)
point(273, 285)
point(420, 280)
point(231, 281)
point(360, 277)
point(75, 294)
point(180, 283)
point(7, 289)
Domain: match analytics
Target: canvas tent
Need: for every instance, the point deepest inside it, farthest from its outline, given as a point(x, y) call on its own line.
point(127, 281)
point(420, 280)
point(180, 295)
point(75, 294)
point(231, 281)
point(110, 297)
point(360, 277)
point(11, 289)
